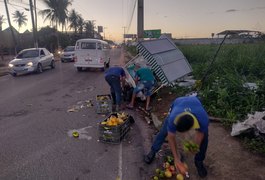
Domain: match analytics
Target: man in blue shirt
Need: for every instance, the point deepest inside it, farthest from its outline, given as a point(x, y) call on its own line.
point(115, 77)
point(186, 113)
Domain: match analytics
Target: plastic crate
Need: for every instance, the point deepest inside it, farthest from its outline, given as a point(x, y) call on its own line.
point(114, 134)
point(103, 106)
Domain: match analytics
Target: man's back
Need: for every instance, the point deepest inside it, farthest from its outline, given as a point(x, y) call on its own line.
point(145, 74)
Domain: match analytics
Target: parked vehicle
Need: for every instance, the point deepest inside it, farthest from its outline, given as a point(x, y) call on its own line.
point(92, 53)
point(31, 60)
point(68, 54)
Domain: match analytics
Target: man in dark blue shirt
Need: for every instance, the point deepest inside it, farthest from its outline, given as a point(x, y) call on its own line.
point(186, 113)
point(115, 77)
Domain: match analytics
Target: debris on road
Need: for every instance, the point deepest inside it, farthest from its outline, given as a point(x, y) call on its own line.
point(254, 121)
point(80, 105)
point(88, 89)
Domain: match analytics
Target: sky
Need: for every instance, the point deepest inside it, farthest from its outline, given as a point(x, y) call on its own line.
point(181, 18)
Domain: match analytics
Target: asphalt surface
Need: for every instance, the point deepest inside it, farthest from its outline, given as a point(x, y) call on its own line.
point(35, 128)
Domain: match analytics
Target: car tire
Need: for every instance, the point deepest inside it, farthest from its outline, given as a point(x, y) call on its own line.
point(79, 69)
point(39, 68)
point(62, 61)
point(52, 64)
point(14, 74)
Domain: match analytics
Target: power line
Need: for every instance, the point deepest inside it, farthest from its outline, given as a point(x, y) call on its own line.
point(131, 18)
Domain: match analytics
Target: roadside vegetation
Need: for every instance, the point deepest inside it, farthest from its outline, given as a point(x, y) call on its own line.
point(225, 93)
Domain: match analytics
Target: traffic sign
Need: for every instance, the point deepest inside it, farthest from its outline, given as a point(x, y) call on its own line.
point(154, 33)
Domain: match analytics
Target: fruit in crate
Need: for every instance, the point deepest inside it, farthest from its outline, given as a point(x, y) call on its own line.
point(103, 98)
point(122, 115)
point(112, 121)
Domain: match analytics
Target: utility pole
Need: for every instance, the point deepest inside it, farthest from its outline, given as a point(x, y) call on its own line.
point(124, 34)
point(10, 26)
point(140, 20)
point(36, 18)
point(33, 24)
point(104, 31)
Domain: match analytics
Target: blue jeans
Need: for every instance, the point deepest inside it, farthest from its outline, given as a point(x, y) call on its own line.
point(161, 136)
point(148, 85)
point(115, 88)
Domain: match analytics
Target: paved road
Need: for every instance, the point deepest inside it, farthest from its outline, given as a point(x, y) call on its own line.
point(34, 127)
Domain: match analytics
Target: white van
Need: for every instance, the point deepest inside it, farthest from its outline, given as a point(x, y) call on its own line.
point(91, 53)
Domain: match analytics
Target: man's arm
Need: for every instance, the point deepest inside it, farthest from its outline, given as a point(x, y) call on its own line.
point(199, 137)
point(173, 146)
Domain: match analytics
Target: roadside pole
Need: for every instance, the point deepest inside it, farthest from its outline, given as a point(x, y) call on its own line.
point(33, 24)
point(140, 20)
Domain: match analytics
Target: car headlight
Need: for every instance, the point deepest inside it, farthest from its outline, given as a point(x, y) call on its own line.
point(29, 64)
point(10, 65)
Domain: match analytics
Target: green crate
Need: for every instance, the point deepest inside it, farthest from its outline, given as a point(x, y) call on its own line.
point(103, 106)
point(114, 134)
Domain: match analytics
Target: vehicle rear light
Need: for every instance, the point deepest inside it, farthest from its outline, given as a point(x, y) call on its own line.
point(101, 60)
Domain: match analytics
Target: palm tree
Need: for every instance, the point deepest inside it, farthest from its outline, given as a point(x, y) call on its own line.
point(89, 28)
point(20, 18)
point(10, 26)
point(73, 19)
point(80, 23)
point(2, 21)
point(56, 12)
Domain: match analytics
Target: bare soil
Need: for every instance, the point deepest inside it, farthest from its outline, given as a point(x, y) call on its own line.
point(226, 158)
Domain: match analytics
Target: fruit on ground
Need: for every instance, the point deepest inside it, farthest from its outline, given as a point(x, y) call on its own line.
point(168, 174)
point(179, 177)
point(158, 171)
point(155, 178)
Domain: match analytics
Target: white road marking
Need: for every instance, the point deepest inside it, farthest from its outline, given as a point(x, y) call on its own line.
point(82, 133)
point(120, 163)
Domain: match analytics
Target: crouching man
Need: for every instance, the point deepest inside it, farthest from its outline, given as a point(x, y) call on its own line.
point(186, 113)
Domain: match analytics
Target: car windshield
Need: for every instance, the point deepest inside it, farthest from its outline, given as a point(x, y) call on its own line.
point(69, 48)
point(88, 45)
point(28, 54)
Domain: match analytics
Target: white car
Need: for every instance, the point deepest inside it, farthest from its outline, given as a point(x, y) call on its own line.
point(68, 54)
point(31, 60)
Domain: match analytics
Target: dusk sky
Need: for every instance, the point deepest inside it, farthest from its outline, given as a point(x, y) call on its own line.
point(182, 18)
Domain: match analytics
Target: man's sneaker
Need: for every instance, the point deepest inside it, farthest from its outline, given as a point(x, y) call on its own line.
point(149, 157)
point(201, 169)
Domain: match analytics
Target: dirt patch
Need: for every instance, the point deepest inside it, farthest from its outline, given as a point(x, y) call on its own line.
point(226, 157)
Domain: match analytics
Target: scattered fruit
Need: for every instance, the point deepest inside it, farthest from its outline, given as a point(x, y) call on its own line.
point(179, 177)
point(75, 134)
point(162, 174)
point(158, 171)
point(155, 178)
point(168, 174)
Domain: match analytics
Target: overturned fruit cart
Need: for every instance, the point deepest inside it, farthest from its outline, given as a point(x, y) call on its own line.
point(163, 57)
